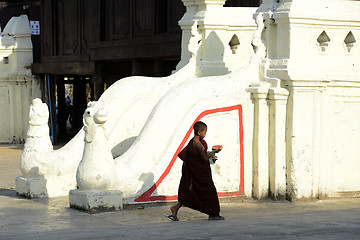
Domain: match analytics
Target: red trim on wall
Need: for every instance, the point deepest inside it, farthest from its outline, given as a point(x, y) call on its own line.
point(146, 197)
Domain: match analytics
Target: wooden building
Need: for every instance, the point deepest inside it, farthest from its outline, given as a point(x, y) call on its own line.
point(91, 44)
point(32, 9)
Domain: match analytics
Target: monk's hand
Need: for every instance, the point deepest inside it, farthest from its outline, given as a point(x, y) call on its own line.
point(215, 158)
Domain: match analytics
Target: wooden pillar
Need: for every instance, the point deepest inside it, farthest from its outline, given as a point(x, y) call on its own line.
point(61, 119)
point(137, 67)
point(79, 104)
point(98, 81)
point(51, 104)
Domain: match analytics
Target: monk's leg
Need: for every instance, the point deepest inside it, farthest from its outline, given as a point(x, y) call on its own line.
point(174, 209)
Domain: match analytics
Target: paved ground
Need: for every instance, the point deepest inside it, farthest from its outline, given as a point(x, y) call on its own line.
point(248, 219)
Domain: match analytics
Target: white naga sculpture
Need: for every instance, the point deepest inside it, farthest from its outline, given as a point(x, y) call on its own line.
point(136, 103)
point(57, 170)
point(135, 171)
point(33, 163)
point(45, 172)
point(96, 170)
point(96, 175)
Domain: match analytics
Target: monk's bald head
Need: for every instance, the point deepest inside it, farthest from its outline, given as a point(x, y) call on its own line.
point(199, 126)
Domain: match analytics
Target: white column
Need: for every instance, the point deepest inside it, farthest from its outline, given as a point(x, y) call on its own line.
point(260, 143)
point(277, 147)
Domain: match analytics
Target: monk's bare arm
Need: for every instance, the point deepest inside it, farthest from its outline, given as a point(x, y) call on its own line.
point(200, 148)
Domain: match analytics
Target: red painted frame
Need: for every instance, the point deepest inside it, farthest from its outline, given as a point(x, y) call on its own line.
point(146, 196)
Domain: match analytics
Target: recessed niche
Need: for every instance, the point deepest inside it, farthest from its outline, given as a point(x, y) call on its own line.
point(234, 43)
point(349, 41)
point(323, 41)
point(6, 60)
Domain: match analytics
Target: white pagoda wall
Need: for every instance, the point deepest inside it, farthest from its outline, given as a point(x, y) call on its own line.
point(309, 51)
point(17, 85)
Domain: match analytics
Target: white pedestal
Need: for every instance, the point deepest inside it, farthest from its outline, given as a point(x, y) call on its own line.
point(31, 187)
point(44, 187)
point(96, 201)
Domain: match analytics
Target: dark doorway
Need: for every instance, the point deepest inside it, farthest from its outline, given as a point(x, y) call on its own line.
point(242, 3)
point(73, 93)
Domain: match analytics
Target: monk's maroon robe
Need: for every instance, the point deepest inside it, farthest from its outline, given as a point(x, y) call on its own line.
point(197, 189)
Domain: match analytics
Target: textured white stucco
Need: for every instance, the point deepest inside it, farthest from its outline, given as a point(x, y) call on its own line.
point(96, 201)
point(124, 103)
point(316, 55)
point(299, 96)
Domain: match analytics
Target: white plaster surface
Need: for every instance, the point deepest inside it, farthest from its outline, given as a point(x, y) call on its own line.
point(180, 106)
point(208, 28)
point(299, 94)
point(322, 76)
point(120, 129)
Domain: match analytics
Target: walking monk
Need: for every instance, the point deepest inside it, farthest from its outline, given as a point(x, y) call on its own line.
point(197, 189)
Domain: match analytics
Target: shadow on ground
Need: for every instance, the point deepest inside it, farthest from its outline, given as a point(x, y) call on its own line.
point(8, 192)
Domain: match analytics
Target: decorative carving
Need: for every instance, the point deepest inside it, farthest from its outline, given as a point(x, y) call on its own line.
point(349, 41)
point(323, 41)
point(234, 43)
point(257, 41)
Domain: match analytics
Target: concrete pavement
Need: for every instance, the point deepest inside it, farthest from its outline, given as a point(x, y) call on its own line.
point(246, 219)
